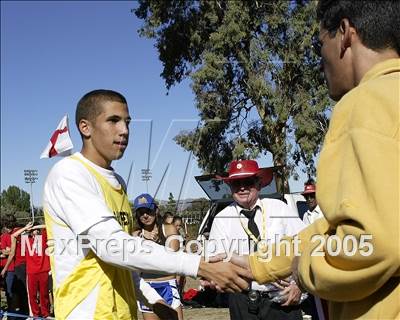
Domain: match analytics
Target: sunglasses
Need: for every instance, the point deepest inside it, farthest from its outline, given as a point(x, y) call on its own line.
point(248, 182)
point(142, 211)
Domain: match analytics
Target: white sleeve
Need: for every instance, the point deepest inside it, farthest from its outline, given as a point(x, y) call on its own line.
point(72, 193)
point(74, 196)
point(112, 245)
point(144, 292)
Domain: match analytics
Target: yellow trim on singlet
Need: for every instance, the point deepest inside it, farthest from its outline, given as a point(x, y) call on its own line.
point(49, 221)
point(116, 296)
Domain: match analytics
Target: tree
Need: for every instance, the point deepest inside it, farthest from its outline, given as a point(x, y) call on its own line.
point(257, 81)
point(171, 204)
point(16, 202)
point(15, 198)
point(195, 211)
point(199, 206)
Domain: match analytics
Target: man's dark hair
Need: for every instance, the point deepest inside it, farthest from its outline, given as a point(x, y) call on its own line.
point(91, 104)
point(377, 21)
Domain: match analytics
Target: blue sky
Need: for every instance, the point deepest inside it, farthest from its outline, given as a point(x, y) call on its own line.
point(52, 53)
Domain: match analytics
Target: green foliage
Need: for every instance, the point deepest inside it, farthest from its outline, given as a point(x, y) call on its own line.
point(192, 231)
point(171, 205)
point(16, 202)
point(198, 206)
point(257, 81)
point(15, 199)
point(171, 199)
point(23, 217)
point(196, 210)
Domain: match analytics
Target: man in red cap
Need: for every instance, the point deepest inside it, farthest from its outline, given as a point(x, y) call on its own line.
point(314, 212)
point(250, 222)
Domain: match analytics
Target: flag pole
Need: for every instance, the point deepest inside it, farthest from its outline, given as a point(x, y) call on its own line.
point(31, 175)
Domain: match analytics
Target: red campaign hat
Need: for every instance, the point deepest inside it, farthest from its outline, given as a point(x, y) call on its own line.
point(241, 169)
point(309, 188)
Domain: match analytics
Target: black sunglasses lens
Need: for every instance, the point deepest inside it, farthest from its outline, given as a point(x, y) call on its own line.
point(243, 182)
point(143, 211)
point(249, 182)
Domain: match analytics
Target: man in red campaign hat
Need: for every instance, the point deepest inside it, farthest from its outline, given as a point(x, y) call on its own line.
point(314, 212)
point(246, 225)
point(313, 305)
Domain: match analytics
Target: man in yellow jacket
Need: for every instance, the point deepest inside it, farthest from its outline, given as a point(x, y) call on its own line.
point(352, 257)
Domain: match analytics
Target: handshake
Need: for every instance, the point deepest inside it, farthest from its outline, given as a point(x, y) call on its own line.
point(236, 276)
point(226, 276)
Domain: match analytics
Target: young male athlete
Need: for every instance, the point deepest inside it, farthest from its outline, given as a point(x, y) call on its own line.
point(89, 218)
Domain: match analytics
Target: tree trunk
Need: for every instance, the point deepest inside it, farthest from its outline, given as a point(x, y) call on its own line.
point(282, 174)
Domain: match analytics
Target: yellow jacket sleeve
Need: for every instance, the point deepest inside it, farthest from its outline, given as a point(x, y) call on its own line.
point(276, 263)
point(367, 209)
point(358, 192)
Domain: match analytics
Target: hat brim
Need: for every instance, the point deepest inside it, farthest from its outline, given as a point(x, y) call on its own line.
point(308, 192)
point(150, 206)
point(265, 174)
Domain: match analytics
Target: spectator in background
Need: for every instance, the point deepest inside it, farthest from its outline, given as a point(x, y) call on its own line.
point(20, 271)
point(37, 268)
point(12, 245)
point(3, 259)
point(178, 223)
point(168, 217)
point(153, 229)
point(314, 212)
point(7, 273)
point(180, 227)
point(312, 305)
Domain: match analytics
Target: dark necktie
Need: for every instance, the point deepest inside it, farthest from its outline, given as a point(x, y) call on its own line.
point(250, 214)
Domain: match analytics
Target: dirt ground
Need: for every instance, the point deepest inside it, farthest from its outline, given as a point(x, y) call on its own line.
point(204, 314)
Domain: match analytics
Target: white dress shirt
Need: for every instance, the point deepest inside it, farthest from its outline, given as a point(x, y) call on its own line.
point(310, 216)
point(228, 233)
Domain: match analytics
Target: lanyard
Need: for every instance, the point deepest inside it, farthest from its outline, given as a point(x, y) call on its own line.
point(264, 225)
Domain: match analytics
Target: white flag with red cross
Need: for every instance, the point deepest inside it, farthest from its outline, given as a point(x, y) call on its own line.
point(60, 142)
